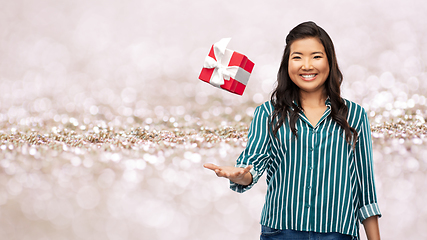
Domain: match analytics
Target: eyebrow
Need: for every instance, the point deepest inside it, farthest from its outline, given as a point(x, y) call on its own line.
point(311, 53)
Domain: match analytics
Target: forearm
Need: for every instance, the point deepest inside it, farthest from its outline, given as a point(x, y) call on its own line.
point(371, 228)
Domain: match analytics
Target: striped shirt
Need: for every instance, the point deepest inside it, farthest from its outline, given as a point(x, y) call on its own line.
point(316, 182)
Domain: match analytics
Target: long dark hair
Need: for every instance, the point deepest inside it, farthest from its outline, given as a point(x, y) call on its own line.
point(287, 92)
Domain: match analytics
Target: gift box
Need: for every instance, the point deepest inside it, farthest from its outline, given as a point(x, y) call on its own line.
point(226, 69)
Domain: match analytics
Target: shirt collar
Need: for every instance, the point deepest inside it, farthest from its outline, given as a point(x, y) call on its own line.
point(324, 116)
point(328, 102)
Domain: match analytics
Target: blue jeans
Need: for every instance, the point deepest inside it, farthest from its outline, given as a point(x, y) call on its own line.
point(275, 234)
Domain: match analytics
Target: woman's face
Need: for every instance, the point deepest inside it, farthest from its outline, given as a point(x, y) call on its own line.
point(308, 65)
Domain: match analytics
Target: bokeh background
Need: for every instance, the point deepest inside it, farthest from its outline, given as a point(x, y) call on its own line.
point(104, 125)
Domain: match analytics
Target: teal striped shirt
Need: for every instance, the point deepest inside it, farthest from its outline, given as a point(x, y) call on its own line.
point(316, 182)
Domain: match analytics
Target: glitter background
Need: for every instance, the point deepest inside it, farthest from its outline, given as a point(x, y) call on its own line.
point(104, 126)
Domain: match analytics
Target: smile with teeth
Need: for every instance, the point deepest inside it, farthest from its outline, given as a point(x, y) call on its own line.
point(308, 76)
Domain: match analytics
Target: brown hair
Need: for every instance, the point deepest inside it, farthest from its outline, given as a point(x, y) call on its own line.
point(287, 92)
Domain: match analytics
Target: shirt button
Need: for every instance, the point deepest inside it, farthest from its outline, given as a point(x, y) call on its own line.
point(309, 187)
point(311, 149)
point(311, 168)
point(308, 205)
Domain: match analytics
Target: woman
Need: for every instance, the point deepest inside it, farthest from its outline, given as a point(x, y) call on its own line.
point(314, 146)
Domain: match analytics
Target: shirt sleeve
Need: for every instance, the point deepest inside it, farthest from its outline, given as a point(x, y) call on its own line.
point(368, 205)
point(258, 149)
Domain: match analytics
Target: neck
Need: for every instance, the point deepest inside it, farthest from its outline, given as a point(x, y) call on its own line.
point(314, 99)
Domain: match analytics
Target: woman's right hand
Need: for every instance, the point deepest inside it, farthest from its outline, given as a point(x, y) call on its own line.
point(237, 175)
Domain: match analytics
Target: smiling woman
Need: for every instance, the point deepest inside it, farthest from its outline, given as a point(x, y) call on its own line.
point(315, 147)
point(308, 65)
point(309, 69)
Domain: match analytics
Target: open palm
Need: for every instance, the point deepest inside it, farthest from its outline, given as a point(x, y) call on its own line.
point(235, 174)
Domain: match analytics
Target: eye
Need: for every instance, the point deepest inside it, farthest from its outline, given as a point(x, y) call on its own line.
point(318, 57)
point(296, 57)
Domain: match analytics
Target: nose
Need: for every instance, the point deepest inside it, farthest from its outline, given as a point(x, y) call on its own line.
point(306, 65)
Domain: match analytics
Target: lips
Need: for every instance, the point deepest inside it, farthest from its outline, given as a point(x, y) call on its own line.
point(308, 77)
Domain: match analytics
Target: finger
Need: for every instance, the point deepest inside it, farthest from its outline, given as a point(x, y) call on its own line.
point(242, 171)
point(220, 173)
point(247, 169)
point(211, 166)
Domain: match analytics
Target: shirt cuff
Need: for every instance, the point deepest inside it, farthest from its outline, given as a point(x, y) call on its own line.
point(240, 188)
point(369, 211)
